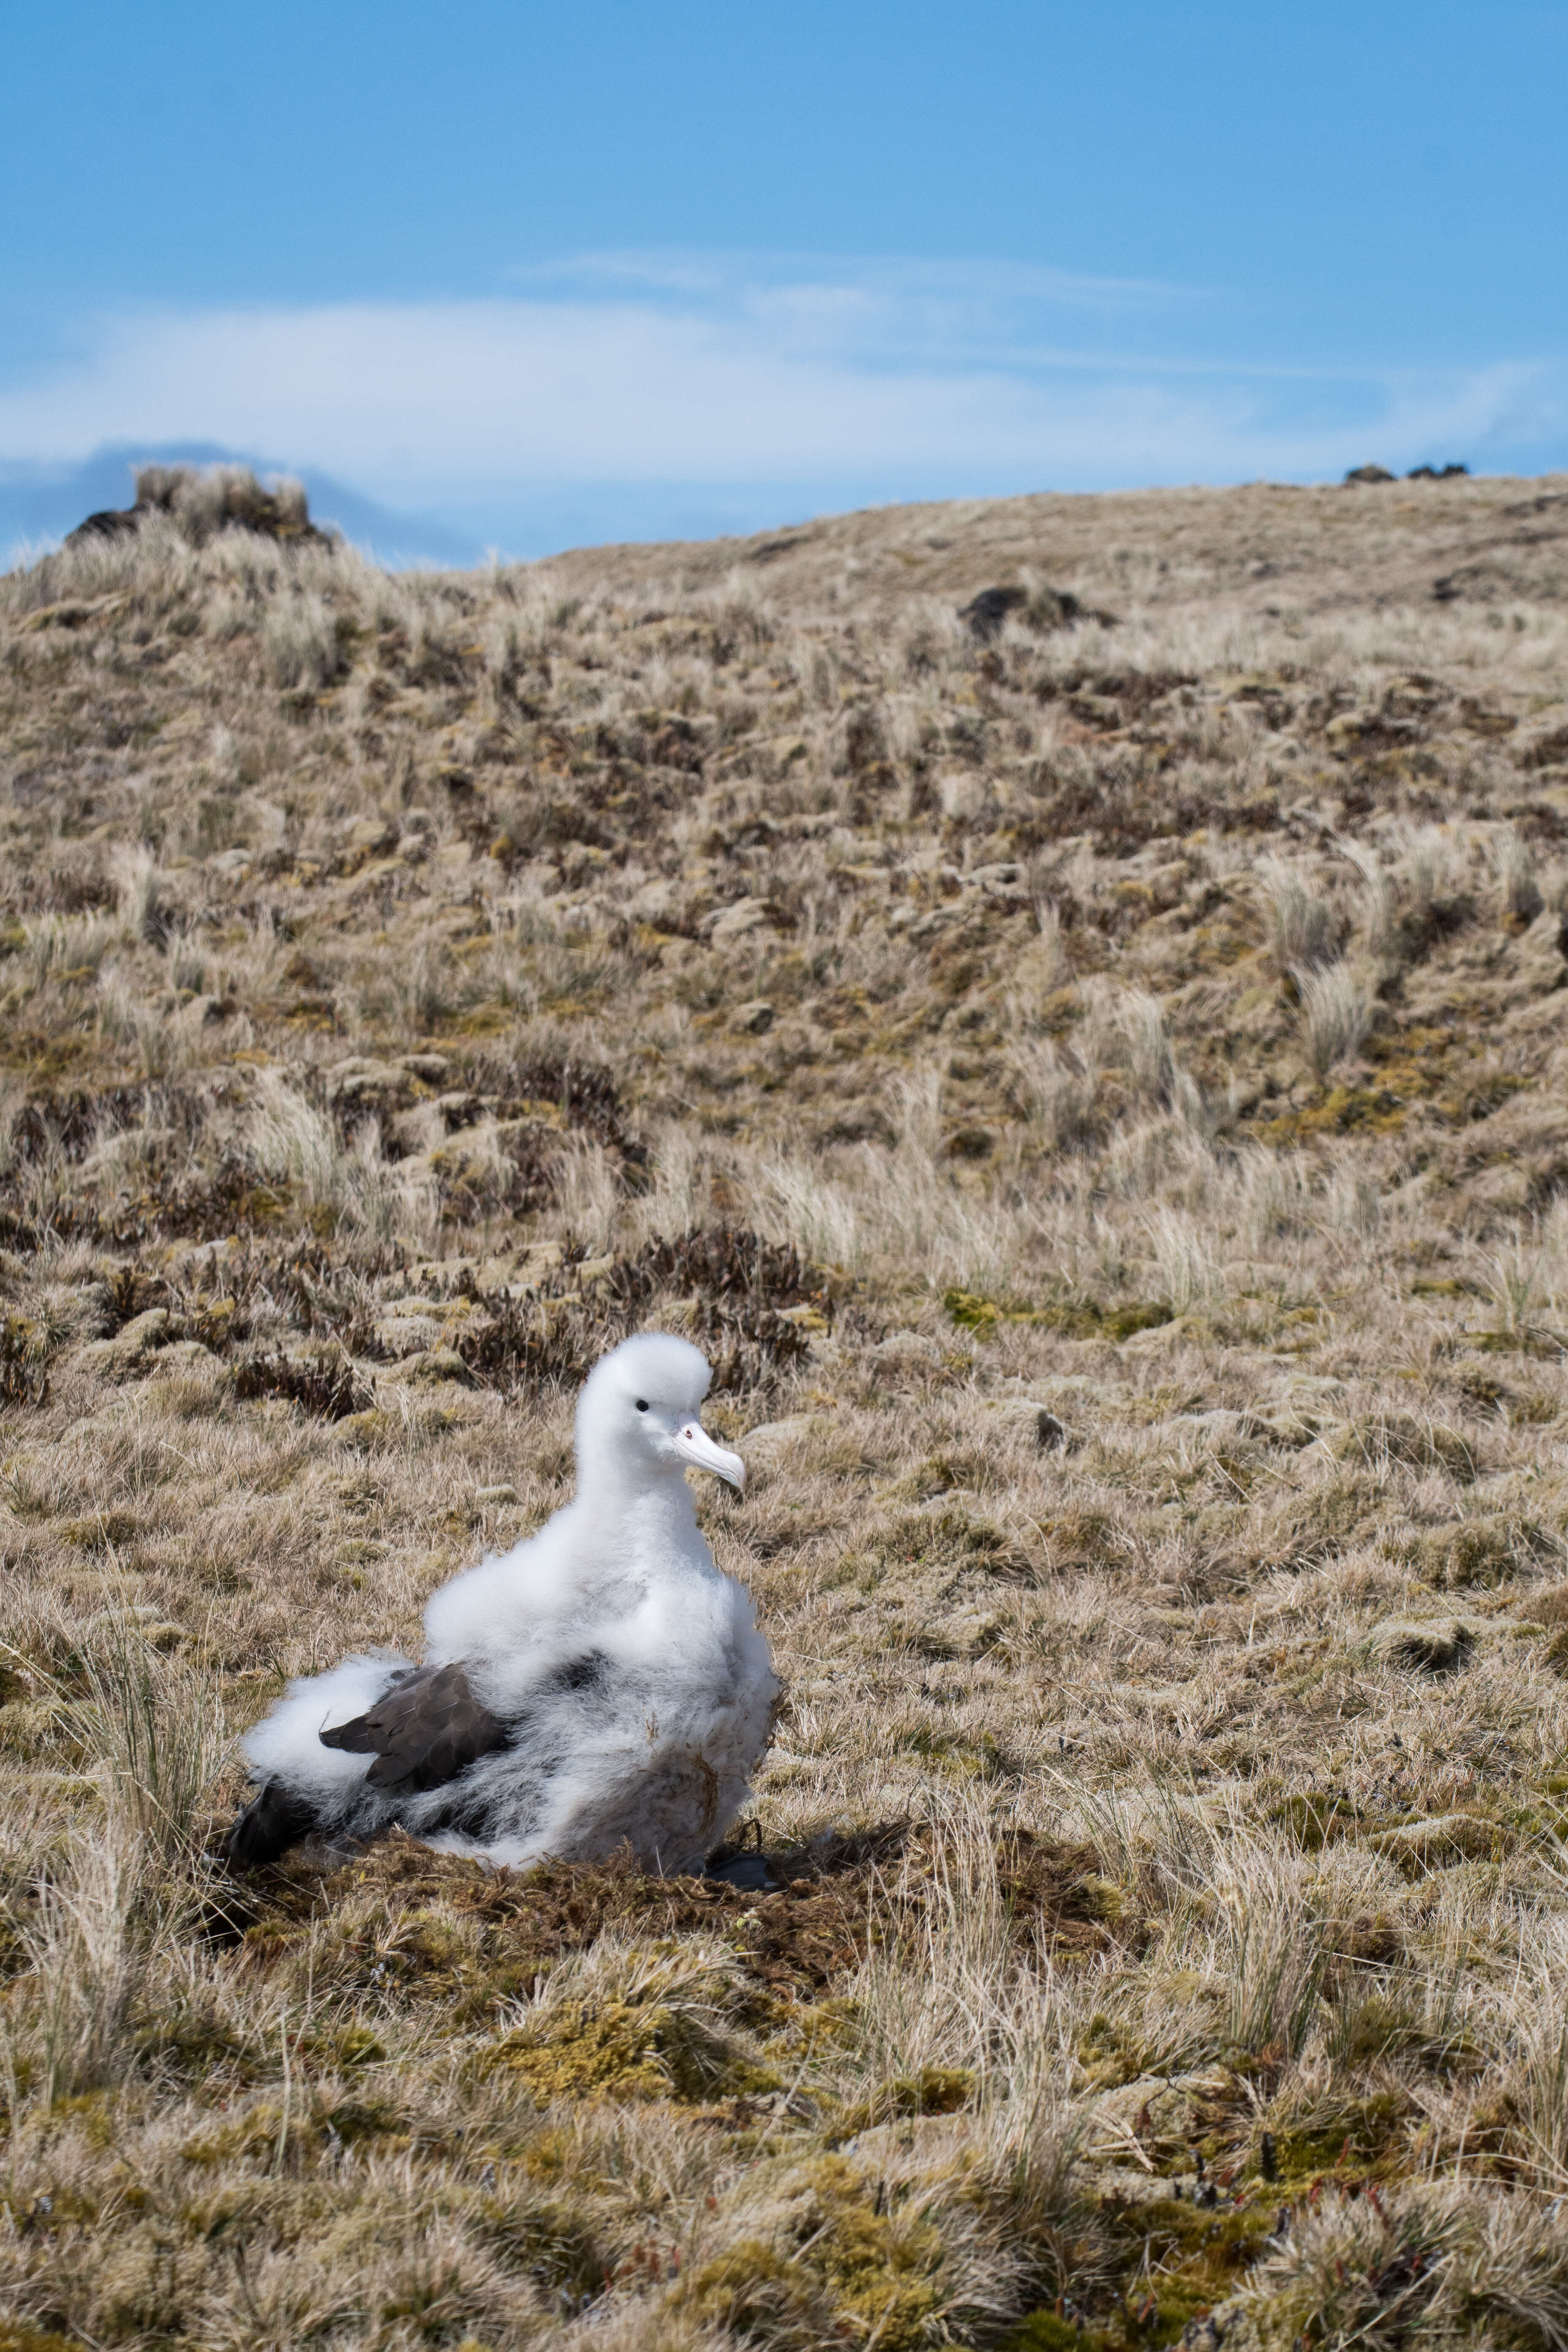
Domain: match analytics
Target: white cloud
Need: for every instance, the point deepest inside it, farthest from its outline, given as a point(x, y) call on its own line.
point(695, 370)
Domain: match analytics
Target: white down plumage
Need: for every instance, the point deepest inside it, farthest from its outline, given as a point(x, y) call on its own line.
point(602, 1684)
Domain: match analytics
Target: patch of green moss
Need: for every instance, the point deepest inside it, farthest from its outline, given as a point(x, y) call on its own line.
point(1048, 2331)
point(1109, 2054)
point(1353, 2137)
point(44, 1057)
point(934, 2091)
point(59, 2206)
point(1189, 2257)
point(630, 2050)
point(972, 1312)
point(1071, 1318)
point(623, 2048)
point(878, 2271)
point(857, 2270)
point(1181, 2259)
point(749, 2290)
point(354, 2045)
point(21, 2335)
point(1138, 1315)
point(1343, 1110)
point(1515, 1343)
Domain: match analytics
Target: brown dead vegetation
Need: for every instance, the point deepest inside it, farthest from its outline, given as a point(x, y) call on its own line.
point(1085, 1062)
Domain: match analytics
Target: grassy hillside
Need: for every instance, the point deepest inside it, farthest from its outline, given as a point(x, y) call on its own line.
point(1091, 1074)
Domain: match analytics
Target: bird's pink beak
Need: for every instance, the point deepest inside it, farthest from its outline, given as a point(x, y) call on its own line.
point(693, 1445)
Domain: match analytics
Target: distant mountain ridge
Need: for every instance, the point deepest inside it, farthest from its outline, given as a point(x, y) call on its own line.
point(39, 504)
point(524, 522)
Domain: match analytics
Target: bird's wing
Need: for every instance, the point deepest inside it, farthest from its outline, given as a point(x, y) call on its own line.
point(422, 1732)
point(275, 1818)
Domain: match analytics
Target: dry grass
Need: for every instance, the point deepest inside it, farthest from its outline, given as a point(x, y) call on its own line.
point(1095, 1091)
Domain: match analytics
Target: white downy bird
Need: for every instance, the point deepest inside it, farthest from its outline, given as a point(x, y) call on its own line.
point(602, 1684)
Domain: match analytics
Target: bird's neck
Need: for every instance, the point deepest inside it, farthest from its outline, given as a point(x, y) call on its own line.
point(644, 1506)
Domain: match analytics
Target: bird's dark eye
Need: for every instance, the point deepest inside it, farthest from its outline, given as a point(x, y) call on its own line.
point(642, 1404)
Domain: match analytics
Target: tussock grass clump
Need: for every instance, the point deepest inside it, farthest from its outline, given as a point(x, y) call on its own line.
point(740, 1297)
point(1093, 1087)
point(325, 1384)
point(1336, 1014)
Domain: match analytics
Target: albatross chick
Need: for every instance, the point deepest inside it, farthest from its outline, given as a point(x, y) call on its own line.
point(601, 1684)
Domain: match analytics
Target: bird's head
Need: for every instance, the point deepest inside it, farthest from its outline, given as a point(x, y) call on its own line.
point(638, 1417)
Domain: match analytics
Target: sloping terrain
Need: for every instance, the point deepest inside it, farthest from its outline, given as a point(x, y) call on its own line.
point(1087, 1060)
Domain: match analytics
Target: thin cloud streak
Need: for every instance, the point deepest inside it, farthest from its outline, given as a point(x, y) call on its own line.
point(694, 371)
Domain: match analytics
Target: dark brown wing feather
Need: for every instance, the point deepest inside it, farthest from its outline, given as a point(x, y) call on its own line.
point(275, 1819)
point(422, 1732)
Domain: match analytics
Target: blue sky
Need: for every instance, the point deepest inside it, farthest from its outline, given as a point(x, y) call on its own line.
point(539, 275)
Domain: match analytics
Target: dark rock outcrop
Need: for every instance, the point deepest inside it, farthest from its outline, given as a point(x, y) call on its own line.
point(1037, 608)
